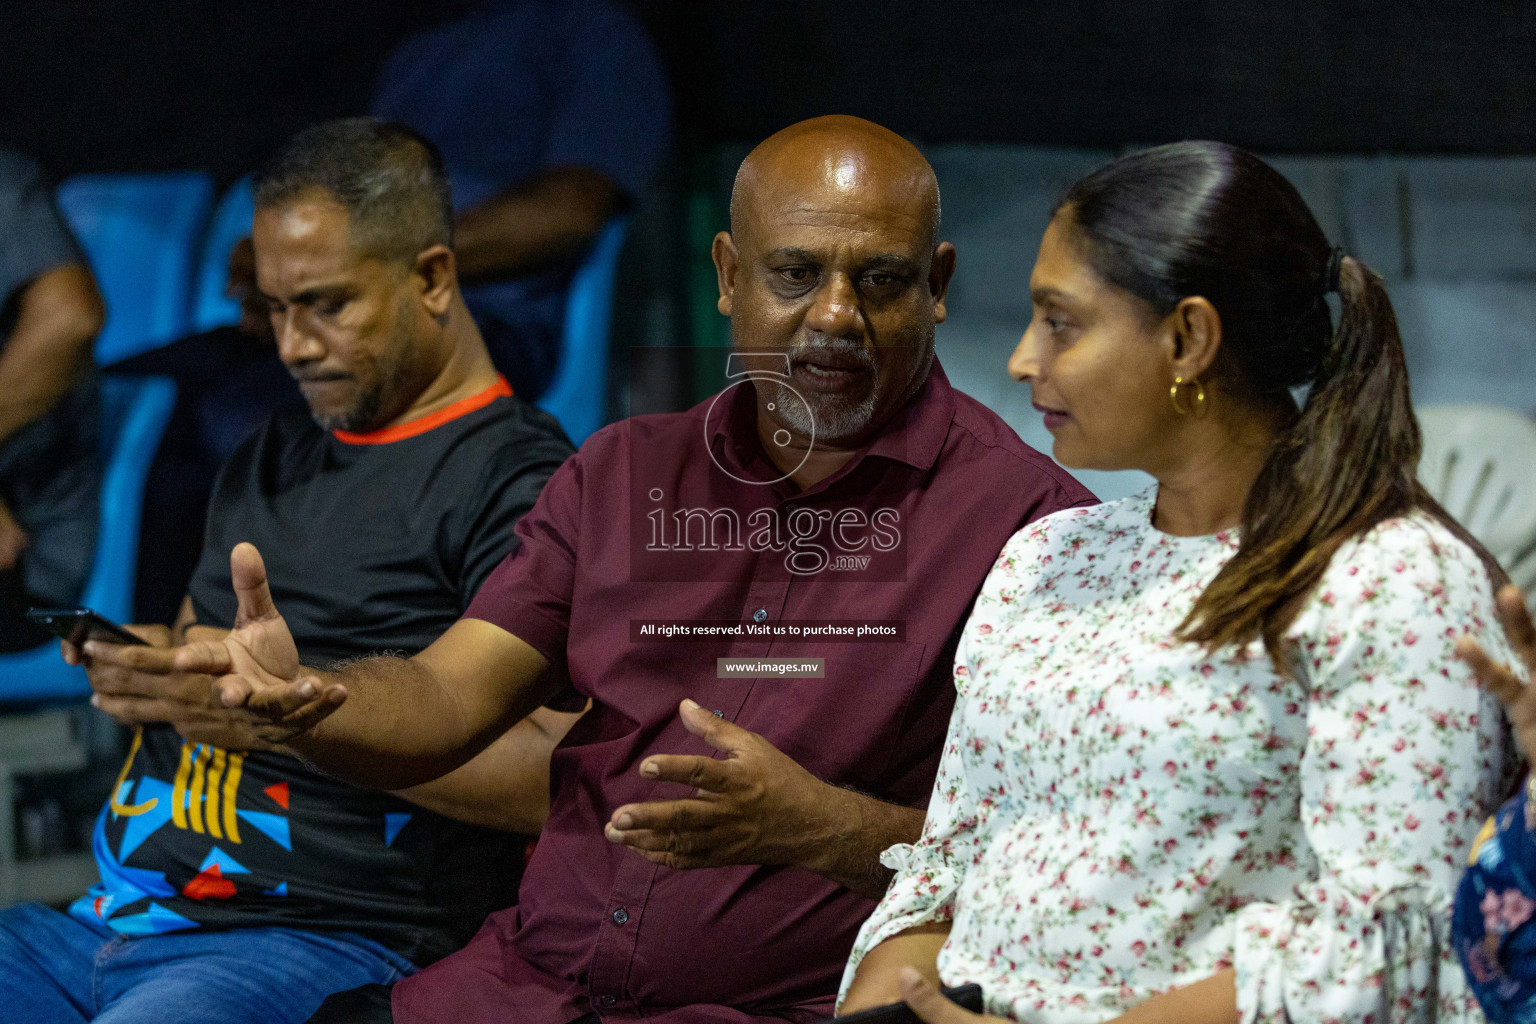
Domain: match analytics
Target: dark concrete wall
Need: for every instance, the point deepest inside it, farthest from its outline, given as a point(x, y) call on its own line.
point(144, 84)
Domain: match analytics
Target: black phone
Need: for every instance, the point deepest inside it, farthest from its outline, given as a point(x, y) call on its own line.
point(965, 996)
point(77, 625)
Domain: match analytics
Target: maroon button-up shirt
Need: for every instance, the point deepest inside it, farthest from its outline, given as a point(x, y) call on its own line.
point(661, 519)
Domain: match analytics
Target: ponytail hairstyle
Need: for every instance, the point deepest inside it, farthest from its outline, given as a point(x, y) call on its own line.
point(1209, 219)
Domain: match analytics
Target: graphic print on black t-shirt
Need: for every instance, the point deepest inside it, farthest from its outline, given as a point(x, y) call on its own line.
point(370, 545)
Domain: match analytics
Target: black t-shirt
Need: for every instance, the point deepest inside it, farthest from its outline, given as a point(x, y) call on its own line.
point(371, 545)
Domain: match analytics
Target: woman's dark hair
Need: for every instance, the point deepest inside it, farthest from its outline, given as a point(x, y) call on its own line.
point(1208, 219)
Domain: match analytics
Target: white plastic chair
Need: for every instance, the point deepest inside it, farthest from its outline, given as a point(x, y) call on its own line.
point(1479, 461)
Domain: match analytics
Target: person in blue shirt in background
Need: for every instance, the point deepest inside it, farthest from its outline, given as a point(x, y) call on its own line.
point(1492, 927)
point(551, 116)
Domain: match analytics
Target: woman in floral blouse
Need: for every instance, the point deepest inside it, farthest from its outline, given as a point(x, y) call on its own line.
point(1212, 758)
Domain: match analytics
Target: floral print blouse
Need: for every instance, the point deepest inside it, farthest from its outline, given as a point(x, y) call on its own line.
point(1117, 814)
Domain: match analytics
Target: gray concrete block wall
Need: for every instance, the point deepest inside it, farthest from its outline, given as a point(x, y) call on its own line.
point(996, 203)
point(1454, 238)
point(1470, 219)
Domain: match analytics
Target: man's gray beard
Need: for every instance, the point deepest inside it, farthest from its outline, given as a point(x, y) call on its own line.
point(838, 418)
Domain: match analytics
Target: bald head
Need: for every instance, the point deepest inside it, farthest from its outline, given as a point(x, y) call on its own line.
point(833, 260)
point(838, 159)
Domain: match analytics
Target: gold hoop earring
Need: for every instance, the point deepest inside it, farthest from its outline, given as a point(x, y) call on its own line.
point(1199, 409)
point(1173, 396)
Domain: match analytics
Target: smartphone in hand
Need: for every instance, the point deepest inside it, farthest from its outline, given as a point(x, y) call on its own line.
point(966, 996)
point(77, 625)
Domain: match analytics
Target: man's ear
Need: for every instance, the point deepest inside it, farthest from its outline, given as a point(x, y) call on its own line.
point(436, 270)
point(723, 251)
point(940, 271)
point(1195, 337)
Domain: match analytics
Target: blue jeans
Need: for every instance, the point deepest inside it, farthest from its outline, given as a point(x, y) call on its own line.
point(55, 969)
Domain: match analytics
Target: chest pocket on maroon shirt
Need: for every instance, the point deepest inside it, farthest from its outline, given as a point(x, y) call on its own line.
point(845, 729)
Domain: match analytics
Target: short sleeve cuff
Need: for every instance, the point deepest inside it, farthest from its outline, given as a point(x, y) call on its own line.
point(526, 621)
point(522, 595)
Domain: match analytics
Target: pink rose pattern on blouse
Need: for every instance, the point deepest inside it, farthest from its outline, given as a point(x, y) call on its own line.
point(1117, 814)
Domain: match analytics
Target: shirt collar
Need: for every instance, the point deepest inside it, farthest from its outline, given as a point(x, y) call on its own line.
point(422, 424)
point(914, 434)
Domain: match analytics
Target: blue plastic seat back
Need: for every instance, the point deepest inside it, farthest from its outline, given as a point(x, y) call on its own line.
point(134, 412)
point(231, 222)
point(140, 234)
point(578, 394)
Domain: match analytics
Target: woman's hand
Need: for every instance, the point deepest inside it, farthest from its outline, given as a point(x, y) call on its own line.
point(1519, 699)
point(878, 979)
point(1212, 1001)
point(931, 1005)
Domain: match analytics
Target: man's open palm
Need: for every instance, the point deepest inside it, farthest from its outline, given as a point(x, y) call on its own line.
point(257, 665)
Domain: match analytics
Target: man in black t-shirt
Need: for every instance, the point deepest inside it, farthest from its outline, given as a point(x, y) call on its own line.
point(249, 886)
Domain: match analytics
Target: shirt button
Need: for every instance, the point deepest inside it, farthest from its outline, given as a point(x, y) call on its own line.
point(759, 615)
point(607, 1000)
point(620, 916)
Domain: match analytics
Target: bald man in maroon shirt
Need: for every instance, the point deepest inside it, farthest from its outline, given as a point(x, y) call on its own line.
point(715, 825)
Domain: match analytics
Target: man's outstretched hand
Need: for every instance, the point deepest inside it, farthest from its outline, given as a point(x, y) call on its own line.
point(754, 806)
point(1519, 699)
point(256, 666)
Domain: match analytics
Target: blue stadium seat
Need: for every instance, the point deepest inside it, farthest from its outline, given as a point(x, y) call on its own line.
point(578, 394)
point(140, 233)
point(134, 412)
point(231, 222)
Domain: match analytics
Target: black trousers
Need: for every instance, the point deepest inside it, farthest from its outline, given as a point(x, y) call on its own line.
point(366, 1005)
point(370, 1005)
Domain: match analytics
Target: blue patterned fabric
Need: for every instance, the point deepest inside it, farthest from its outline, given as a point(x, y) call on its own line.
point(1492, 928)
